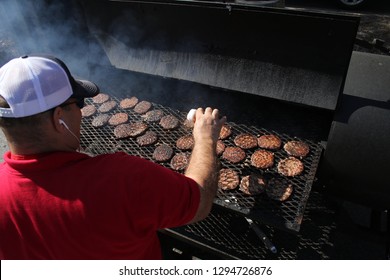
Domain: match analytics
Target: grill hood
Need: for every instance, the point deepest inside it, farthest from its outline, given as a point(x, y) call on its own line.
point(277, 53)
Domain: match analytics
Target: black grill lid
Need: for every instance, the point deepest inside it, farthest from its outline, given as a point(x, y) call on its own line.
point(289, 55)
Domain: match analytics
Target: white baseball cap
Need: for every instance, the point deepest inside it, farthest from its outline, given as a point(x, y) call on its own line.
point(37, 83)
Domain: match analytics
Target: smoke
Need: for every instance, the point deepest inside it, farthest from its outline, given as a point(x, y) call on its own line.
point(44, 26)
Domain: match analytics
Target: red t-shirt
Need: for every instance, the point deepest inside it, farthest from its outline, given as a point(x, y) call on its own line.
point(68, 205)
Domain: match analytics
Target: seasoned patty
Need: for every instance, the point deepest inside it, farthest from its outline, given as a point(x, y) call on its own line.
point(88, 111)
point(253, 184)
point(142, 107)
point(228, 179)
point(118, 118)
point(234, 154)
point(100, 120)
point(153, 115)
point(185, 142)
point(220, 147)
point(147, 139)
point(296, 148)
point(101, 98)
point(107, 106)
point(163, 153)
point(269, 141)
point(188, 124)
point(130, 129)
point(180, 161)
point(279, 189)
point(290, 167)
point(262, 159)
point(128, 103)
point(169, 122)
point(225, 132)
point(246, 141)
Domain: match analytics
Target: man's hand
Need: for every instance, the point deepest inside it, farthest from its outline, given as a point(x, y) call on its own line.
point(203, 166)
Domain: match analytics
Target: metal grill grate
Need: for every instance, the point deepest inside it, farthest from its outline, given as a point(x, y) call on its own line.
point(286, 215)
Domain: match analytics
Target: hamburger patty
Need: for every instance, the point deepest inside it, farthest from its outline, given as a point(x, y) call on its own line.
point(118, 118)
point(100, 120)
point(130, 129)
point(142, 107)
point(253, 184)
point(163, 153)
point(290, 167)
point(185, 142)
point(100, 98)
point(180, 161)
point(269, 141)
point(296, 148)
point(228, 179)
point(262, 159)
point(107, 106)
point(246, 141)
point(188, 124)
point(149, 138)
point(279, 189)
point(88, 111)
point(220, 147)
point(169, 122)
point(234, 154)
point(128, 103)
point(225, 132)
point(153, 116)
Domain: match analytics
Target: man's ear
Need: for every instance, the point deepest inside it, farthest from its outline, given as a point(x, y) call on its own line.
point(57, 116)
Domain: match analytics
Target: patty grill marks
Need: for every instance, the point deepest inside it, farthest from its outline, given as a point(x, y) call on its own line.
point(185, 142)
point(290, 167)
point(88, 111)
point(128, 103)
point(228, 179)
point(296, 148)
point(147, 139)
point(225, 132)
point(269, 141)
point(130, 129)
point(100, 120)
point(107, 106)
point(153, 115)
point(262, 159)
point(180, 161)
point(169, 122)
point(100, 98)
point(142, 107)
point(118, 118)
point(246, 141)
point(163, 153)
point(234, 154)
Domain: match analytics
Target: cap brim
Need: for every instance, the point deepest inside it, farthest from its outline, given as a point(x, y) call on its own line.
point(85, 89)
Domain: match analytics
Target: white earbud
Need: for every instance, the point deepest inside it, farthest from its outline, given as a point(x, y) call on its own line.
point(63, 123)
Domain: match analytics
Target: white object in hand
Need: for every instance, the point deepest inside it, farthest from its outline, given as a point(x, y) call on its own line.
point(191, 115)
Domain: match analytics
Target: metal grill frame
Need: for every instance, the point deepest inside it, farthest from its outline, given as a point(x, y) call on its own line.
point(286, 215)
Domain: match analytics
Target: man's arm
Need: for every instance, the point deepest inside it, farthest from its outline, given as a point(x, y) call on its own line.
point(203, 166)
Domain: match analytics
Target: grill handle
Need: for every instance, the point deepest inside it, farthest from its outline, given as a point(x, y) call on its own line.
point(267, 242)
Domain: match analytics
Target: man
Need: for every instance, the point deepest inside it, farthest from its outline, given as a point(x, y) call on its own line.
point(57, 203)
